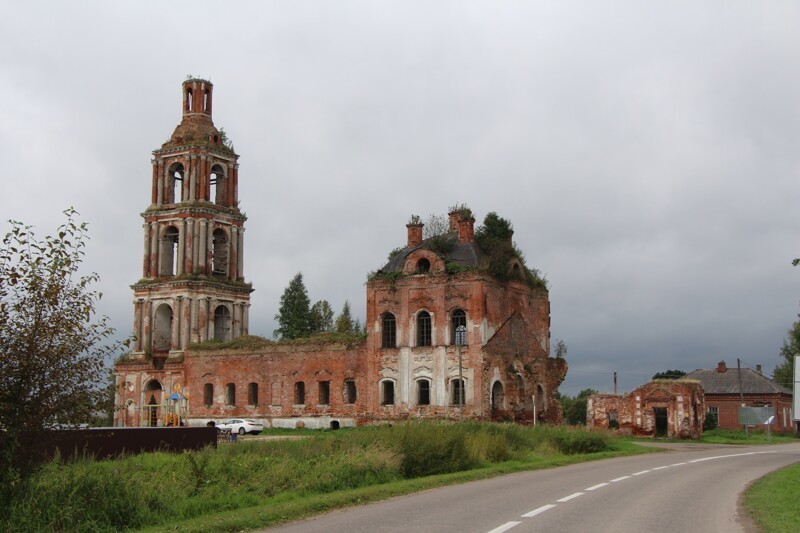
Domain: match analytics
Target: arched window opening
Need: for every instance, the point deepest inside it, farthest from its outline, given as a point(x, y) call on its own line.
point(299, 393)
point(217, 184)
point(387, 392)
point(423, 392)
point(350, 391)
point(324, 393)
point(219, 253)
point(230, 394)
point(458, 321)
point(388, 331)
point(208, 394)
point(222, 324)
point(498, 397)
point(423, 329)
point(189, 96)
point(335, 424)
point(169, 252)
point(206, 101)
point(252, 394)
point(541, 404)
point(152, 412)
point(162, 331)
point(175, 188)
point(153, 385)
point(457, 392)
point(423, 265)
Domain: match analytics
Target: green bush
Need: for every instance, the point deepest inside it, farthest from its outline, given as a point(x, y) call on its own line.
point(579, 441)
point(710, 422)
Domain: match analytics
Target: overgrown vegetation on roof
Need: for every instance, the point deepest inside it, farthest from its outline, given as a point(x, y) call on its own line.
point(495, 240)
point(248, 342)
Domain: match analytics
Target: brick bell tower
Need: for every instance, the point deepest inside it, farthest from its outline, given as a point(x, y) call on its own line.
point(192, 287)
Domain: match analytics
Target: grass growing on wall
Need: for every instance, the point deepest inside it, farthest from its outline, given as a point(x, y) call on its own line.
point(265, 482)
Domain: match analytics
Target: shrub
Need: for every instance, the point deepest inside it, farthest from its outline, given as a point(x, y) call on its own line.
point(710, 422)
point(573, 442)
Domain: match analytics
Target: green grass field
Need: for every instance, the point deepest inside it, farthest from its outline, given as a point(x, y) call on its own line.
point(256, 484)
point(772, 501)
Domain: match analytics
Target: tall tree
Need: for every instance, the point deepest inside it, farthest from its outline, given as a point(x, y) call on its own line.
point(52, 344)
point(294, 314)
point(784, 372)
point(344, 322)
point(321, 317)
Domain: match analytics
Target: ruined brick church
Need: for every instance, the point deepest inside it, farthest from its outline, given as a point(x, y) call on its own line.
point(447, 336)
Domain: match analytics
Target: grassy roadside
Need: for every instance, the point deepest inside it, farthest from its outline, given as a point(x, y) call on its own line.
point(772, 501)
point(298, 507)
point(257, 484)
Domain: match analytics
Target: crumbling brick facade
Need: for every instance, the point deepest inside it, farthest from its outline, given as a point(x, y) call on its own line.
point(662, 408)
point(445, 337)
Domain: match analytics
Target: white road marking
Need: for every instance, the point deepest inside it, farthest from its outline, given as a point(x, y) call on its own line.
point(595, 487)
point(505, 527)
point(640, 473)
point(678, 464)
point(570, 497)
point(661, 467)
point(540, 510)
point(619, 479)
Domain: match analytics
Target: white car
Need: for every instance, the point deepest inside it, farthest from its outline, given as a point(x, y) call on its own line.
point(241, 426)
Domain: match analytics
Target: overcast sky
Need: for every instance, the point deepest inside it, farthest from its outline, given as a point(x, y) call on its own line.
point(647, 156)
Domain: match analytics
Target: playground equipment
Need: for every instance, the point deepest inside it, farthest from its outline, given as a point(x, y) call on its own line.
point(176, 408)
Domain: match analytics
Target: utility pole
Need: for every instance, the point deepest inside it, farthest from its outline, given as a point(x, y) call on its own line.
point(741, 397)
point(615, 383)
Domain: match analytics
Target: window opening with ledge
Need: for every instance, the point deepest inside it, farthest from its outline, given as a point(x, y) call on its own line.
point(459, 327)
point(423, 392)
point(222, 324)
point(388, 331)
point(299, 393)
point(424, 329)
point(252, 393)
point(230, 394)
point(456, 391)
point(208, 394)
point(324, 393)
point(387, 392)
point(350, 395)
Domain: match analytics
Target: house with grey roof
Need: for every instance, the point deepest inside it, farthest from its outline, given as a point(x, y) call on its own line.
point(725, 387)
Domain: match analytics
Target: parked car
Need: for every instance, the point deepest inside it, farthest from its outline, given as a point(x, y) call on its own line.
point(241, 426)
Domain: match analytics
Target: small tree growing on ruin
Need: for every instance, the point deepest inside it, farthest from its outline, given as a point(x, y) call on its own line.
point(53, 347)
point(294, 314)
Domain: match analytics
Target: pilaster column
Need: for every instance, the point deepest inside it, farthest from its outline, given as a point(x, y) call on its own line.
point(137, 326)
point(154, 266)
point(245, 319)
point(146, 258)
point(195, 245)
point(160, 183)
point(186, 317)
point(212, 303)
point(154, 187)
point(176, 323)
point(194, 335)
point(209, 247)
point(179, 268)
point(233, 259)
point(202, 247)
point(236, 327)
point(240, 256)
point(192, 177)
point(146, 323)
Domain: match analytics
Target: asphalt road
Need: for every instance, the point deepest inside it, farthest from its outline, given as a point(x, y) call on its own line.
point(690, 488)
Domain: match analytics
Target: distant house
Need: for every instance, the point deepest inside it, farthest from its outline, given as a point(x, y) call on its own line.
point(722, 395)
point(661, 408)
